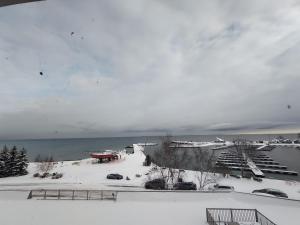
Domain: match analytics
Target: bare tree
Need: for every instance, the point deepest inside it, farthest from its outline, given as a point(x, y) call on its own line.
point(243, 150)
point(45, 165)
point(170, 158)
point(222, 169)
point(204, 167)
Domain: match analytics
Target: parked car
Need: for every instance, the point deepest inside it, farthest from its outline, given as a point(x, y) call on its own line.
point(185, 186)
point(287, 141)
point(236, 176)
point(157, 184)
point(257, 179)
point(114, 176)
point(274, 192)
point(297, 141)
point(223, 187)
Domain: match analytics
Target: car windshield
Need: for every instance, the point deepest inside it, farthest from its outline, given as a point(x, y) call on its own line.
point(155, 112)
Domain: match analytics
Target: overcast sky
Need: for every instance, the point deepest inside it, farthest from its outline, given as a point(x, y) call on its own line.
point(149, 67)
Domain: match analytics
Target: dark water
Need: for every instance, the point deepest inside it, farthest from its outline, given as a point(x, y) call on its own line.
point(72, 149)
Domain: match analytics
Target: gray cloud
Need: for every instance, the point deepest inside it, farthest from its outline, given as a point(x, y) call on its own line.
point(148, 67)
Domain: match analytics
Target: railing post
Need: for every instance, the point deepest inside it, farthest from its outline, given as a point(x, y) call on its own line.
point(87, 195)
point(30, 195)
point(256, 216)
point(231, 215)
point(45, 194)
point(102, 195)
point(58, 195)
point(73, 195)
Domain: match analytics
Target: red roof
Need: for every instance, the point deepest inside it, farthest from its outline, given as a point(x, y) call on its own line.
point(103, 155)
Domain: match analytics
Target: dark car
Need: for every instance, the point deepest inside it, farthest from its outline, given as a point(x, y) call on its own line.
point(223, 187)
point(157, 184)
point(257, 179)
point(236, 176)
point(114, 176)
point(185, 186)
point(296, 141)
point(274, 192)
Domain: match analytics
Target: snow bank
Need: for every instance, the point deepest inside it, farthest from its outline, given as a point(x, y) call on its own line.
point(174, 208)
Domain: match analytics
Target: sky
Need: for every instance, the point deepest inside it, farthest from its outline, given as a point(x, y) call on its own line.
point(99, 68)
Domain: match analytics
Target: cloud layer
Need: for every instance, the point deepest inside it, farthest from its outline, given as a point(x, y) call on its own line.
point(148, 67)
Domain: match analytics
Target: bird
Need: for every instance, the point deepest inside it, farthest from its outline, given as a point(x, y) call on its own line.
point(41, 73)
point(72, 33)
point(289, 106)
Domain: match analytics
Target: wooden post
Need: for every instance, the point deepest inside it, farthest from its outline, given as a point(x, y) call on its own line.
point(73, 195)
point(58, 195)
point(231, 215)
point(102, 195)
point(87, 195)
point(45, 194)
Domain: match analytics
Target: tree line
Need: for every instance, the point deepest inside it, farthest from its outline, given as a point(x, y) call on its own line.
point(13, 162)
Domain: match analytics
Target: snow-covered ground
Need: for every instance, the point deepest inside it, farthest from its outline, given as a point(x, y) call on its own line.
point(139, 206)
point(174, 208)
point(85, 174)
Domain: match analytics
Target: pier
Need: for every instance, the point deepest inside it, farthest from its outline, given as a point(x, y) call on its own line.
point(255, 170)
point(284, 172)
point(258, 163)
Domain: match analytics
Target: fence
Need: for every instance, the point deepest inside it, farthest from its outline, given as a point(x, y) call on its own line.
point(73, 194)
point(216, 216)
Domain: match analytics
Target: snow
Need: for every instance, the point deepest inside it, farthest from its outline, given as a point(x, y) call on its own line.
point(134, 204)
point(86, 174)
point(166, 208)
point(291, 188)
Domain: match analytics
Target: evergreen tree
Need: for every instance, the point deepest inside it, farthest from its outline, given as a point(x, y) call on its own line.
point(2, 164)
point(22, 162)
point(4, 157)
point(12, 162)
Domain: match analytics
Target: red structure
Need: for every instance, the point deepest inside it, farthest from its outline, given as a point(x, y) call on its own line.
point(105, 156)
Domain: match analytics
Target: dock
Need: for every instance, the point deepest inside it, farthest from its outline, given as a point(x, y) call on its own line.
point(284, 172)
point(255, 170)
point(257, 163)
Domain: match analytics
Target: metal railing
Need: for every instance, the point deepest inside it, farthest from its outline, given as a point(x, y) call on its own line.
point(216, 216)
point(73, 194)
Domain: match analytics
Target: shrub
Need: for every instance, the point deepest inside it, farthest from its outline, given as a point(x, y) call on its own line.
point(36, 175)
point(44, 175)
point(57, 175)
